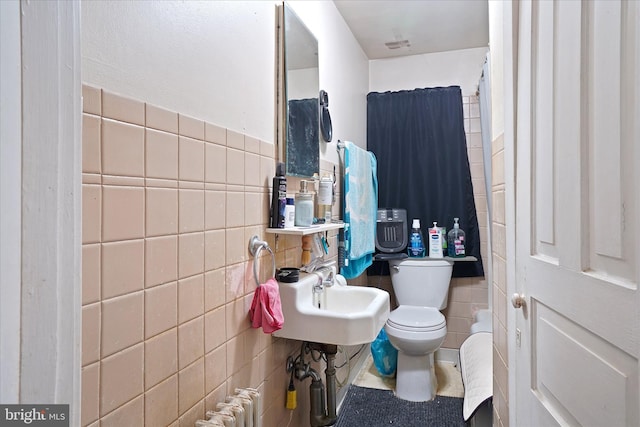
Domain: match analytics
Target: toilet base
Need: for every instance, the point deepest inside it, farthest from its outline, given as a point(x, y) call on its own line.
point(416, 378)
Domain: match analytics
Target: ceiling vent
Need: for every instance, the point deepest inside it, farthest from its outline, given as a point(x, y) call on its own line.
point(397, 44)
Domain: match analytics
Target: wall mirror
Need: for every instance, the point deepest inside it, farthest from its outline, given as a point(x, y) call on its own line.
point(301, 88)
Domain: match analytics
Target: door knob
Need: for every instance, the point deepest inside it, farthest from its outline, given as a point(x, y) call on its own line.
point(518, 300)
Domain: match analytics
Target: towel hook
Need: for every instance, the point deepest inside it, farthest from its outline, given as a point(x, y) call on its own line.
point(255, 247)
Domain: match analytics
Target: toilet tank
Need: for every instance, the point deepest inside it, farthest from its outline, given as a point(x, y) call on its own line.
point(421, 281)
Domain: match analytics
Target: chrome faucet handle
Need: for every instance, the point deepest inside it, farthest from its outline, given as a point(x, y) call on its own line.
point(329, 280)
point(318, 287)
point(327, 275)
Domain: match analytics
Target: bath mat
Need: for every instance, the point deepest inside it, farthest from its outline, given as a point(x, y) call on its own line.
point(370, 407)
point(449, 379)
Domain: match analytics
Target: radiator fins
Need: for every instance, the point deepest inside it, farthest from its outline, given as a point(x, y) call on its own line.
point(240, 410)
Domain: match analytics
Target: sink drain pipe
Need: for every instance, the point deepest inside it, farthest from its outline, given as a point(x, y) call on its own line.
point(323, 409)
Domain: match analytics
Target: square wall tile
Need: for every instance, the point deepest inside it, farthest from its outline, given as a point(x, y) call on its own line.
point(90, 273)
point(190, 416)
point(251, 144)
point(122, 108)
point(235, 355)
point(91, 100)
point(236, 247)
point(214, 249)
point(235, 209)
point(122, 213)
point(161, 154)
point(161, 403)
point(191, 159)
point(161, 119)
point(236, 317)
point(253, 212)
point(132, 413)
point(90, 334)
point(161, 211)
point(252, 170)
point(235, 167)
point(216, 134)
point(235, 279)
point(214, 329)
point(122, 267)
point(475, 125)
point(255, 343)
point(160, 309)
point(268, 170)
point(235, 140)
point(191, 210)
point(190, 254)
point(91, 213)
point(160, 357)
point(91, 143)
point(161, 260)
point(90, 398)
point(188, 126)
point(215, 368)
point(190, 386)
point(121, 378)
point(122, 322)
point(214, 289)
point(190, 298)
point(190, 342)
point(122, 149)
point(215, 210)
point(215, 163)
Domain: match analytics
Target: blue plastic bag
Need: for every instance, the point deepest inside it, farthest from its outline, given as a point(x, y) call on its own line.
point(385, 356)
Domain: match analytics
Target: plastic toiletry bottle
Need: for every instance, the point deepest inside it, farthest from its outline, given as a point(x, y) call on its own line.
point(416, 242)
point(289, 213)
point(444, 240)
point(303, 206)
point(435, 242)
point(325, 198)
point(278, 197)
point(456, 239)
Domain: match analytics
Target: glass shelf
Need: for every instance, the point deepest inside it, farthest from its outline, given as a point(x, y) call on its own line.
point(303, 231)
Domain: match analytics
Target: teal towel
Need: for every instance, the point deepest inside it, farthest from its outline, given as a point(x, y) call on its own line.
point(360, 207)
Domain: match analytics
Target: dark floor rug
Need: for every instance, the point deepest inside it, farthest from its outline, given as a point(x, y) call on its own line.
point(370, 407)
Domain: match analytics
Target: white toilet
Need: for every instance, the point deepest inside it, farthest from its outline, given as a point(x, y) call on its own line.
point(417, 328)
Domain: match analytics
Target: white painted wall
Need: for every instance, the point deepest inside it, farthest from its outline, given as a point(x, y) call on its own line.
point(212, 60)
point(216, 61)
point(458, 67)
point(496, 37)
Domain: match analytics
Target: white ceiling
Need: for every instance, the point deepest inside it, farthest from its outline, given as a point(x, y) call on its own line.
point(429, 25)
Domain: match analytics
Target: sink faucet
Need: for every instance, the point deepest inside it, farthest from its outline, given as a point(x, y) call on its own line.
point(318, 290)
point(328, 281)
point(328, 274)
point(318, 287)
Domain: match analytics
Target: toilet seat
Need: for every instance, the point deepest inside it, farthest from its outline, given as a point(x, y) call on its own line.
point(416, 319)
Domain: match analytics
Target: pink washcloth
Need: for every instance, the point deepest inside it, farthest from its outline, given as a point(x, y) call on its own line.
point(266, 307)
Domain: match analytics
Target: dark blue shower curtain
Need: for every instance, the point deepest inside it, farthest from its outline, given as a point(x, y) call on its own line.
point(418, 138)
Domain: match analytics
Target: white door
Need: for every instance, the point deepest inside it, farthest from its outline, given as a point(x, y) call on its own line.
point(577, 213)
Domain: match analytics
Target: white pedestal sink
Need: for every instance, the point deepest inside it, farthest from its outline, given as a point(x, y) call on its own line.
point(341, 315)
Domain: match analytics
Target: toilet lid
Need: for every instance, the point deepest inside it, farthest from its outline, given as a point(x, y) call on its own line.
point(416, 318)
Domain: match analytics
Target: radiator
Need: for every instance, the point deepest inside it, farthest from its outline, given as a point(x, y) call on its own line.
point(242, 409)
